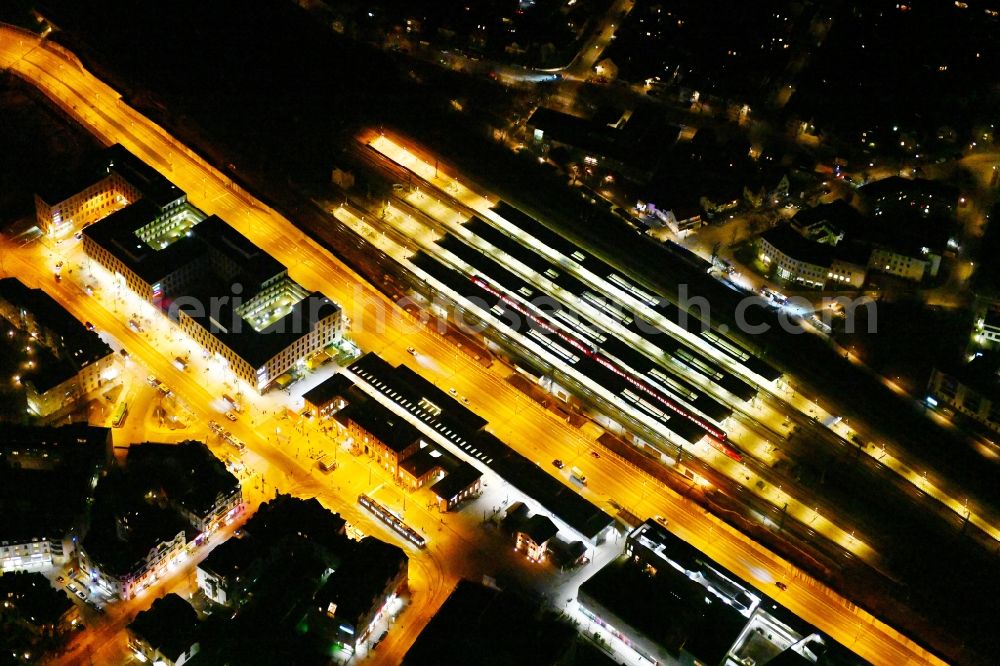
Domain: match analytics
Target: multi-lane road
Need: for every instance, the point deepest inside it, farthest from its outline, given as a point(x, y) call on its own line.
point(381, 326)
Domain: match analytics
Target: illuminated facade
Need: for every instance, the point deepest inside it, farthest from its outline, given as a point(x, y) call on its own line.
point(233, 298)
point(64, 362)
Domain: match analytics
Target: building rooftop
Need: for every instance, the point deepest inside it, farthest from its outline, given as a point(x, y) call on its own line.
point(232, 557)
point(423, 461)
point(447, 418)
point(41, 368)
point(483, 625)
point(170, 625)
point(124, 530)
point(330, 389)
point(539, 528)
point(188, 473)
point(77, 346)
point(563, 502)
point(388, 427)
point(457, 480)
point(981, 374)
point(894, 186)
point(117, 234)
point(837, 213)
point(286, 516)
point(354, 585)
point(46, 477)
point(254, 346)
point(32, 597)
point(793, 245)
point(666, 607)
point(153, 185)
point(245, 263)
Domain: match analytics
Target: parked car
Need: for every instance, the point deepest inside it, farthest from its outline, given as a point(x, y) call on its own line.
point(558, 463)
point(231, 416)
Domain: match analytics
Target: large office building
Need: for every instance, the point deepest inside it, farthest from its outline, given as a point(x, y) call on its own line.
point(233, 298)
point(116, 179)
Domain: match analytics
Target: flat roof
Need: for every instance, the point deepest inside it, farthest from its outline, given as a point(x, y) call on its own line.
point(254, 265)
point(116, 233)
point(255, 347)
point(327, 390)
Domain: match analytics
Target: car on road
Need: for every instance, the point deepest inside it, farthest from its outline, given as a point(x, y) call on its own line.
point(465, 400)
point(72, 588)
point(595, 454)
point(231, 416)
point(781, 586)
point(88, 325)
point(411, 351)
point(558, 463)
point(453, 391)
point(59, 579)
point(58, 277)
point(661, 520)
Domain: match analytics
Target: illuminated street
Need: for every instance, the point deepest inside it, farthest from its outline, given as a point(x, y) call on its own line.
point(277, 458)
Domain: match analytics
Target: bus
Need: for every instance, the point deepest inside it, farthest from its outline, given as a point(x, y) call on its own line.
point(118, 418)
